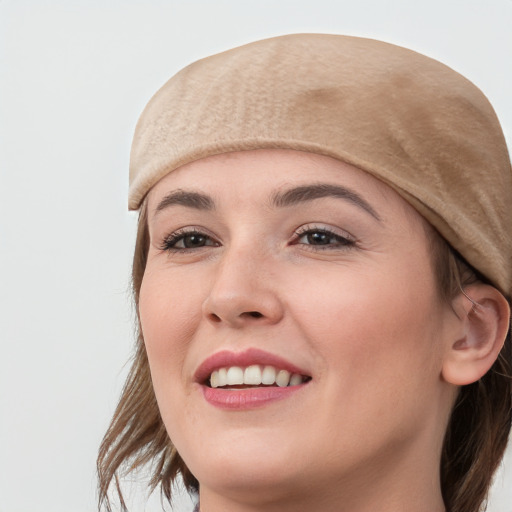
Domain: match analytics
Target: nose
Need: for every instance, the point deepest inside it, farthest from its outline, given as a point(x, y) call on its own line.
point(244, 291)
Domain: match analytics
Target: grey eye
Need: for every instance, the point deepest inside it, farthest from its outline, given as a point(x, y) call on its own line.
point(192, 240)
point(321, 237)
point(318, 238)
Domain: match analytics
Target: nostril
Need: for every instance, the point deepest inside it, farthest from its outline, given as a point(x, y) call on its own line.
point(215, 318)
point(255, 314)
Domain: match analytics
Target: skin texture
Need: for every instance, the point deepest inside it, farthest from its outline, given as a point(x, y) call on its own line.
point(362, 318)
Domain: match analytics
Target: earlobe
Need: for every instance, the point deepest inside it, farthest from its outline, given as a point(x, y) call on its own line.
point(484, 316)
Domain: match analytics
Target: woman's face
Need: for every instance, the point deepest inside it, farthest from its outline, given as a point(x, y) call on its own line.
point(310, 272)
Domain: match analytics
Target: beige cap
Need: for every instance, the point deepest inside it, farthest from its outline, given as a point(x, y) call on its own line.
point(408, 120)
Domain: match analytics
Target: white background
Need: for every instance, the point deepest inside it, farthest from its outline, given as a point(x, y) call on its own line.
point(74, 76)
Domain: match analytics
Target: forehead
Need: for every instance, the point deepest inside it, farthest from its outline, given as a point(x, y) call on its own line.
point(279, 165)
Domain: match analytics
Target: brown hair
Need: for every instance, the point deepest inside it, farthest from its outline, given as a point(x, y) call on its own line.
point(474, 443)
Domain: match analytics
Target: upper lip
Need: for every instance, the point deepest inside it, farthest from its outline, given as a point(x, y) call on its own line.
point(226, 358)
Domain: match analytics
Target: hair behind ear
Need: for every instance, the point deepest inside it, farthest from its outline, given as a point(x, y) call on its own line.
point(477, 435)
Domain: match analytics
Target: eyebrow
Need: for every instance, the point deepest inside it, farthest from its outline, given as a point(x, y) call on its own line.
point(306, 193)
point(186, 198)
point(283, 199)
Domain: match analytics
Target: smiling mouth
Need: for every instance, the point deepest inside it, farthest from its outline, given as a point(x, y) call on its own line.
point(254, 376)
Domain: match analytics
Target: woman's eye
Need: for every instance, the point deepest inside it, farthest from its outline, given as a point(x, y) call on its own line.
point(323, 237)
point(187, 240)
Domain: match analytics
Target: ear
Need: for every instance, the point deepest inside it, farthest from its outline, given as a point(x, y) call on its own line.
point(483, 322)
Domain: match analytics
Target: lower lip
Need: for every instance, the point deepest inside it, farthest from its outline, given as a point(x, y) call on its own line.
point(249, 398)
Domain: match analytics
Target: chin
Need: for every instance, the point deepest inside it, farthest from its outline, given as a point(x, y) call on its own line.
point(251, 481)
point(237, 465)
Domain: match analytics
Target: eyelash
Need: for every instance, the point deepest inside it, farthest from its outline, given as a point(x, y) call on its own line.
point(342, 241)
point(170, 241)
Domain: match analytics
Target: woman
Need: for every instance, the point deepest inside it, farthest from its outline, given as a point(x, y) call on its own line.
point(322, 278)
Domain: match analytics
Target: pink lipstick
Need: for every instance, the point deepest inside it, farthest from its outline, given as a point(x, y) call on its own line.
point(248, 379)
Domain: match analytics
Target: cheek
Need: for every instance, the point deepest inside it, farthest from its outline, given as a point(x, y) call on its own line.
point(170, 311)
point(169, 317)
point(381, 369)
point(374, 327)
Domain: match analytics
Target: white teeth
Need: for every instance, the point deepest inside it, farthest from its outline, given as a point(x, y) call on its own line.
point(214, 379)
point(223, 377)
point(219, 378)
point(254, 375)
point(269, 375)
point(235, 376)
point(295, 379)
point(283, 378)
